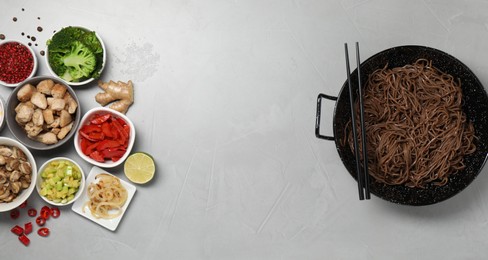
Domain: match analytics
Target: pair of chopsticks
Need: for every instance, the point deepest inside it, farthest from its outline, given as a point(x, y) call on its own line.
point(362, 172)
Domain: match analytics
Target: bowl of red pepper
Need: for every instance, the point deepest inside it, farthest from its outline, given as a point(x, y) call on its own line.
point(18, 62)
point(105, 137)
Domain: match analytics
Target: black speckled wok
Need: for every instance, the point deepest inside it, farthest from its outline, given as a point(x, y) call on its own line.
point(475, 105)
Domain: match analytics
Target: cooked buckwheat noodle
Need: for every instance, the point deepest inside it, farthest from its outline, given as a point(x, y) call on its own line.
point(416, 130)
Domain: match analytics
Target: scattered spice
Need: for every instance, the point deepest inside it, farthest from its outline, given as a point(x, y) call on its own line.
point(15, 19)
point(22, 33)
point(16, 62)
point(42, 53)
point(39, 28)
point(2, 36)
point(30, 44)
point(23, 9)
point(33, 38)
point(38, 18)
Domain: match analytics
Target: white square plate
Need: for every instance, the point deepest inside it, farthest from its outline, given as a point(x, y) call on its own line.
point(110, 224)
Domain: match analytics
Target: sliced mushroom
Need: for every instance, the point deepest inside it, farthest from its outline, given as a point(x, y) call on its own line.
point(15, 187)
point(14, 176)
point(6, 151)
point(25, 167)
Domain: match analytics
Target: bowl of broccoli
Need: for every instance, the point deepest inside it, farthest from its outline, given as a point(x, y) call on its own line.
point(76, 55)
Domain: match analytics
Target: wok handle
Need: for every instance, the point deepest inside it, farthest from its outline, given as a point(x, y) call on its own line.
point(317, 118)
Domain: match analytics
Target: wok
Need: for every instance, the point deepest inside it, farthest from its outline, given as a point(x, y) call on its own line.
point(475, 105)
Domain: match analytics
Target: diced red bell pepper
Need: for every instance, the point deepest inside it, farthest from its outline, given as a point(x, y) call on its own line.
point(97, 120)
point(96, 136)
point(90, 128)
point(90, 136)
point(106, 129)
point(105, 144)
point(91, 148)
point(17, 230)
point(120, 129)
point(113, 152)
point(97, 156)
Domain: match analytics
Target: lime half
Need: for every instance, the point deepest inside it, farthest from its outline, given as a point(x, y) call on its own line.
point(139, 168)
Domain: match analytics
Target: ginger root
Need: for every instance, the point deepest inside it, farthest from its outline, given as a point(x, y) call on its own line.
point(120, 94)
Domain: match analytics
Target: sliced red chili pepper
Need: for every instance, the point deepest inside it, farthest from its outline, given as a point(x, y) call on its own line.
point(24, 239)
point(55, 212)
point(23, 205)
point(43, 232)
point(97, 156)
point(28, 228)
point(40, 221)
point(17, 230)
point(106, 129)
point(45, 212)
point(14, 214)
point(105, 144)
point(32, 212)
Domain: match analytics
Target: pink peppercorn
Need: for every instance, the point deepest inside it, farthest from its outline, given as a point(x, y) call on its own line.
point(16, 62)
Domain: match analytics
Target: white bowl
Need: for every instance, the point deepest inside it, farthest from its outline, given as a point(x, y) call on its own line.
point(24, 194)
point(34, 68)
point(104, 59)
point(40, 180)
point(85, 121)
point(2, 113)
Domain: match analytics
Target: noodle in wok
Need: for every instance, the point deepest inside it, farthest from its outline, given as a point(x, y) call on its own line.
point(416, 130)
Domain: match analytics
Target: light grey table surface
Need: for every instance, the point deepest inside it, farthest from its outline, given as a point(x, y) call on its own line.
point(225, 95)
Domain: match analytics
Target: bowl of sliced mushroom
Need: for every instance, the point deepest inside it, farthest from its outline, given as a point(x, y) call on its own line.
point(18, 173)
point(43, 113)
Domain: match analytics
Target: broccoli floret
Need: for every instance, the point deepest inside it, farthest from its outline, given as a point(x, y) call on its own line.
point(90, 39)
point(80, 61)
point(75, 54)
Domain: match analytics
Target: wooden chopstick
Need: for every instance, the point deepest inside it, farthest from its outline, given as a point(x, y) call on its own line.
point(362, 173)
